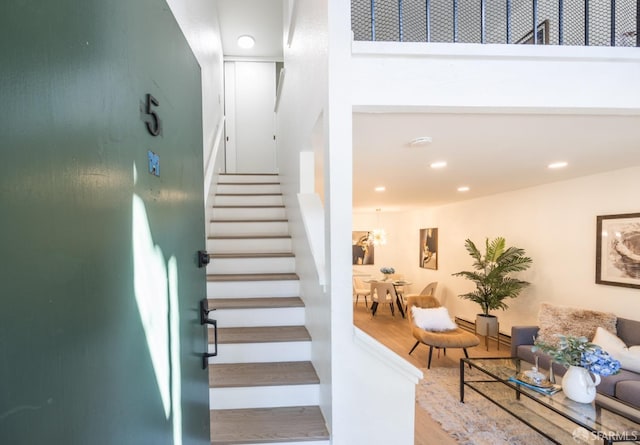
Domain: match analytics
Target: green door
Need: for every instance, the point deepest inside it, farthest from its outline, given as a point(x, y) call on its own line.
point(99, 281)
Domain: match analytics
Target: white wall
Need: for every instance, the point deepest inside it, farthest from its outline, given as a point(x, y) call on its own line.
point(198, 20)
point(367, 393)
point(554, 223)
point(441, 75)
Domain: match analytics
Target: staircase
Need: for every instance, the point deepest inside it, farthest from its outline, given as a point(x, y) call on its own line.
point(263, 387)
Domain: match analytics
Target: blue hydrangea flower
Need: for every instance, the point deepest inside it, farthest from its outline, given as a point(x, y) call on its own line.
point(599, 362)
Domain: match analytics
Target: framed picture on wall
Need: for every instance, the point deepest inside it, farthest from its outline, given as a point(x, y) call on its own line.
point(618, 250)
point(429, 248)
point(363, 249)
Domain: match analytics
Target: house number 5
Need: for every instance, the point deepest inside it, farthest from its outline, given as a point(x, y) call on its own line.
point(154, 124)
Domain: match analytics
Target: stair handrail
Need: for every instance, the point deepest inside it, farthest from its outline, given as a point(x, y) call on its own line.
point(210, 164)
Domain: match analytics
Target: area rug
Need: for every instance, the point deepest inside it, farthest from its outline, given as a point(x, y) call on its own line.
point(475, 422)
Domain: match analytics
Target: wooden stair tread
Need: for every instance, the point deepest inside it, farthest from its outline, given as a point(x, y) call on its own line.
point(260, 334)
point(240, 375)
point(253, 277)
point(267, 425)
point(252, 255)
point(255, 303)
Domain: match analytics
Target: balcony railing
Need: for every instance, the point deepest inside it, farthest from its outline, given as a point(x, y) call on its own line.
point(556, 22)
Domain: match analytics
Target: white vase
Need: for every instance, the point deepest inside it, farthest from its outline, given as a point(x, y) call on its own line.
point(578, 385)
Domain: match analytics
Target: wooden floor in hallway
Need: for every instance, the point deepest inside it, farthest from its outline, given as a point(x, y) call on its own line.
point(394, 333)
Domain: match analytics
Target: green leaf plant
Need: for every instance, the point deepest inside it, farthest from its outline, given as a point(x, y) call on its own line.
point(491, 275)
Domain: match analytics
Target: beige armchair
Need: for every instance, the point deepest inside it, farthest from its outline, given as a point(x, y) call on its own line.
point(455, 338)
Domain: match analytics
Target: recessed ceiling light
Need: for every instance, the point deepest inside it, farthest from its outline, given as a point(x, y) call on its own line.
point(438, 164)
point(380, 189)
point(246, 42)
point(422, 140)
point(464, 188)
point(560, 164)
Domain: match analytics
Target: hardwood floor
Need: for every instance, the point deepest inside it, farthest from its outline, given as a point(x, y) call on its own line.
point(394, 333)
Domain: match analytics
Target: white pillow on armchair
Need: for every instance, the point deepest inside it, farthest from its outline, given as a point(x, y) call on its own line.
point(432, 319)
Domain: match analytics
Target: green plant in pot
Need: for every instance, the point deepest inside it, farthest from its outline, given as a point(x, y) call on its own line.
point(494, 284)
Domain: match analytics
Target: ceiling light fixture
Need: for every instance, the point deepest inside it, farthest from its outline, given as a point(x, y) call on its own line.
point(422, 140)
point(560, 164)
point(380, 188)
point(378, 236)
point(438, 164)
point(464, 188)
point(246, 42)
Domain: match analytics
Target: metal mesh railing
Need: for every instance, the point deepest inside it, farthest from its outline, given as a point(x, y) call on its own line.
point(558, 22)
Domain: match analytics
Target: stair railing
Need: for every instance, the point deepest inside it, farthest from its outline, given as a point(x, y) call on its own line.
point(612, 23)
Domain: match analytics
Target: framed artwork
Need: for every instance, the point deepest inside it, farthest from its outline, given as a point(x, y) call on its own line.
point(542, 35)
point(429, 248)
point(362, 249)
point(618, 250)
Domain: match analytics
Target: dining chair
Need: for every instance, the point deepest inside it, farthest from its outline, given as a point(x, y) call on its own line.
point(400, 289)
point(360, 289)
point(382, 292)
point(430, 289)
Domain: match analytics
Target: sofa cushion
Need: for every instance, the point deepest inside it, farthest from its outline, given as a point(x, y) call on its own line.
point(575, 322)
point(629, 391)
point(629, 357)
point(629, 331)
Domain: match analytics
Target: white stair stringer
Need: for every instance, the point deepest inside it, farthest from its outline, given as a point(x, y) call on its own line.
point(252, 285)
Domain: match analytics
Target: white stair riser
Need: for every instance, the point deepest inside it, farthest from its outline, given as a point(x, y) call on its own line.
point(290, 351)
point(231, 318)
point(252, 265)
point(249, 245)
point(219, 228)
point(247, 188)
point(240, 289)
point(315, 442)
point(246, 213)
point(247, 179)
point(264, 396)
point(249, 200)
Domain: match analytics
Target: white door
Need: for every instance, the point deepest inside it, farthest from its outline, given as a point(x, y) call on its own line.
point(250, 93)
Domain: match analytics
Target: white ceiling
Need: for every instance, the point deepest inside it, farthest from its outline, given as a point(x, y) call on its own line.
point(262, 19)
point(490, 153)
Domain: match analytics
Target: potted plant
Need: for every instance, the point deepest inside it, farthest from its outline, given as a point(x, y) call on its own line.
point(493, 282)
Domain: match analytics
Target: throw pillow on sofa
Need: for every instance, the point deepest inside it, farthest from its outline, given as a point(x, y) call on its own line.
point(564, 320)
point(629, 357)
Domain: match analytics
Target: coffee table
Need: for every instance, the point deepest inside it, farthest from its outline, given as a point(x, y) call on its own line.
point(556, 417)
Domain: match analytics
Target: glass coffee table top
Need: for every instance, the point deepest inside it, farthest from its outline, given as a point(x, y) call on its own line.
point(555, 416)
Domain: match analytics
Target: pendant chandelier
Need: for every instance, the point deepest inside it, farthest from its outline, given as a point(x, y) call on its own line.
point(378, 236)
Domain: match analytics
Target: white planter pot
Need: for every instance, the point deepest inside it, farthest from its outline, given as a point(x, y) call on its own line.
point(578, 385)
point(487, 325)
